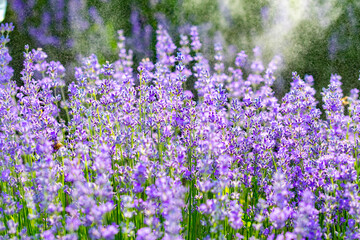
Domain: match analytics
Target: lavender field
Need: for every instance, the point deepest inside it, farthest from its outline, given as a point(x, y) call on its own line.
point(127, 152)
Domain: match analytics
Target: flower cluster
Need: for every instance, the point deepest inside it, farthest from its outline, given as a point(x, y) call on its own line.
point(130, 154)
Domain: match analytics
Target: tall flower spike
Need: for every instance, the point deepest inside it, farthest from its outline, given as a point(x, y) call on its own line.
point(6, 72)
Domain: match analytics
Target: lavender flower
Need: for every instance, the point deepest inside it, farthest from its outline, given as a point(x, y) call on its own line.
point(140, 158)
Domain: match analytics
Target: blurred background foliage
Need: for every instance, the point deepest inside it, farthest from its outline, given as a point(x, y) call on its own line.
point(316, 37)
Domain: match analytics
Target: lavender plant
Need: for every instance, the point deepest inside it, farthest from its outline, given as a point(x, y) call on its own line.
point(139, 158)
